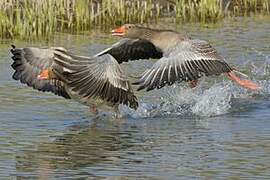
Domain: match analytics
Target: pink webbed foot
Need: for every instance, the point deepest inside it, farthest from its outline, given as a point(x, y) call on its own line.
point(193, 83)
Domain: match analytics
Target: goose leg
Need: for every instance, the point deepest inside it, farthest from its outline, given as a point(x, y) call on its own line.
point(116, 114)
point(243, 82)
point(193, 83)
point(93, 109)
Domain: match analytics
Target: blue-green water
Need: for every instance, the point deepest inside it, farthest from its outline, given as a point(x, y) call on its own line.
point(217, 130)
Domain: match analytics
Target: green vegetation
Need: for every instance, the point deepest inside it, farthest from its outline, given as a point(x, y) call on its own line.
point(214, 10)
point(31, 18)
point(42, 18)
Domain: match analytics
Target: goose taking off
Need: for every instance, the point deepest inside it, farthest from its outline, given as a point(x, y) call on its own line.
point(90, 81)
point(180, 57)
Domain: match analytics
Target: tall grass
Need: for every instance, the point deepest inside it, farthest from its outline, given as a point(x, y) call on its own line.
point(246, 7)
point(42, 18)
point(214, 10)
point(194, 10)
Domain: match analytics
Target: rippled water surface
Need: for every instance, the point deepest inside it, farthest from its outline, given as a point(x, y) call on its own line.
point(217, 130)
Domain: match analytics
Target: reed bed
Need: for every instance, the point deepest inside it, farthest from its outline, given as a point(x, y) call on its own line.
point(41, 19)
point(31, 18)
point(214, 10)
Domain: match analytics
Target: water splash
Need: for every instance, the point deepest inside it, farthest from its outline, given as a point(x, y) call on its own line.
point(180, 100)
point(203, 101)
point(212, 97)
point(214, 101)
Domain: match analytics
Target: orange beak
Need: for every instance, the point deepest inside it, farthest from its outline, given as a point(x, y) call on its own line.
point(121, 31)
point(44, 75)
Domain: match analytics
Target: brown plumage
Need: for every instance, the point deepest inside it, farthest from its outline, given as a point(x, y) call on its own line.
point(132, 49)
point(183, 58)
point(95, 78)
point(28, 63)
point(90, 81)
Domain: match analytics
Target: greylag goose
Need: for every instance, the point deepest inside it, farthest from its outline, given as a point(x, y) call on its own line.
point(90, 81)
point(180, 57)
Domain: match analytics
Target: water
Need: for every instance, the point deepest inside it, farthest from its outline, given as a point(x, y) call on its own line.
point(217, 130)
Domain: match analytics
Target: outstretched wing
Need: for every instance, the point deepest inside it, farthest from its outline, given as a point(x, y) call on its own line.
point(188, 61)
point(30, 62)
point(98, 77)
point(132, 49)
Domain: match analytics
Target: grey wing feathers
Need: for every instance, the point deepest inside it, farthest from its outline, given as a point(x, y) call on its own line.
point(132, 49)
point(98, 77)
point(29, 62)
point(189, 61)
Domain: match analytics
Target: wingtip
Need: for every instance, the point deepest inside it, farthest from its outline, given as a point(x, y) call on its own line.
point(135, 83)
point(150, 88)
point(13, 47)
point(140, 88)
point(138, 81)
point(134, 103)
point(141, 83)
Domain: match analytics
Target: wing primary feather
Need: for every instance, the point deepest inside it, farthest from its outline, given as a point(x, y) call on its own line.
point(29, 62)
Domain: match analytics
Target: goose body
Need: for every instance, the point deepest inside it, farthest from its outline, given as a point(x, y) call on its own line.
point(99, 80)
point(180, 58)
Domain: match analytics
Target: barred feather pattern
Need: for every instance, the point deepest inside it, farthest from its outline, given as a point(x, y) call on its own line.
point(98, 77)
point(29, 62)
point(188, 61)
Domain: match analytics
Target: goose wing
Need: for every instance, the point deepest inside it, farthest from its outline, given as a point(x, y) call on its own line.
point(29, 62)
point(97, 77)
point(132, 49)
point(188, 61)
